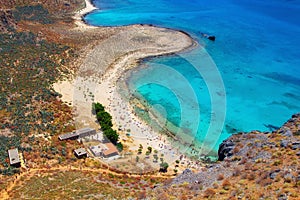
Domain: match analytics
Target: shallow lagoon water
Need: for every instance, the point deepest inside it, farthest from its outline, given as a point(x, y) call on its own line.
point(257, 53)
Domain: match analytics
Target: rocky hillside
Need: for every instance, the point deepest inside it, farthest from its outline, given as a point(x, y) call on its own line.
point(251, 165)
point(54, 6)
point(42, 11)
point(12, 11)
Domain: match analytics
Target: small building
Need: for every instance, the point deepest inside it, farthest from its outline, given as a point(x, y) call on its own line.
point(110, 150)
point(80, 153)
point(96, 150)
point(105, 150)
point(84, 132)
point(69, 136)
point(14, 159)
point(80, 133)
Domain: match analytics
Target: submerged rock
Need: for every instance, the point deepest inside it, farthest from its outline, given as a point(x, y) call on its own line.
point(210, 37)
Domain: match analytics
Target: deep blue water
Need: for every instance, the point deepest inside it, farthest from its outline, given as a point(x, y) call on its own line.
point(256, 53)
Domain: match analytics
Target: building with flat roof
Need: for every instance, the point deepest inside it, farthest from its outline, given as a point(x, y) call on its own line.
point(69, 136)
point(96, 150)
point(105, 150)
point(14, 159)
point(84, 132)
point(80, 133)
point(110, 150)
point(80, 153)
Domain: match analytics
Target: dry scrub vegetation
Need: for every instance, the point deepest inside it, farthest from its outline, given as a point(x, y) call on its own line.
point(40, 49)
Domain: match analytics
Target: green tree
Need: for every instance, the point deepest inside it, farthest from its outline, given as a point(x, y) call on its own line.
point(149, 149)
point(104, 118)
point(119, 146)
point(164, 167)
point(112, 135)
point(140, 151)
point(98, 107)
point(105, 121)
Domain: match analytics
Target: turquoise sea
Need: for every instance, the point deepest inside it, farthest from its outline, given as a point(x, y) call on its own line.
point(250, 75)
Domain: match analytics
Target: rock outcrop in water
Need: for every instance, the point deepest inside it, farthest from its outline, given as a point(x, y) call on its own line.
point(210, 37)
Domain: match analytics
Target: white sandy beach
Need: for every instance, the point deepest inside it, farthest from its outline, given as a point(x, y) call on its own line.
point(100, 71)
point(89, 7)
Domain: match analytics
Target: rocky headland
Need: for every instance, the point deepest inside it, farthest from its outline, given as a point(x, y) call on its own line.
point(255, 165)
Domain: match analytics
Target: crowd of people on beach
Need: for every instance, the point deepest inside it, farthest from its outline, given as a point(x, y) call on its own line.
point(128, 122)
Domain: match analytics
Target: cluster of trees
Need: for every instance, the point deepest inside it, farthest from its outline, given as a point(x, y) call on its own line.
point(105, 121)
point(9, 171)
point(28, 103)
point(32, 13)
point(23, 60)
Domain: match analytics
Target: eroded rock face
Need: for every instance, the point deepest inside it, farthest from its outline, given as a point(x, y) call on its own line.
point(225, 149)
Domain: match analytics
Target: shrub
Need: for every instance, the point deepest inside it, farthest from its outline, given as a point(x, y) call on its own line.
point(251, 176)
point(297, 132)
point(236, 150)
point(32, 13)
point(164, 167)
point(226, 184)
point(215, 185)
point(149, 149)
point(220, 177)
point(209, 192)
point(236, 171)
point(119, 146)
point(9, 171)
point(276, 162)
point(140, 151)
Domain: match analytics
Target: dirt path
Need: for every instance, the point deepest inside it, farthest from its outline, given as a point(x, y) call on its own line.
point(27, 175)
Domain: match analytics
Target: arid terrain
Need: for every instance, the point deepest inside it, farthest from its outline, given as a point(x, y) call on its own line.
point(53, 67)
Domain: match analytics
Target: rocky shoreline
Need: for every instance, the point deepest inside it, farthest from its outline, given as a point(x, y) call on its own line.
point(254, 159)
point(290, 130)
